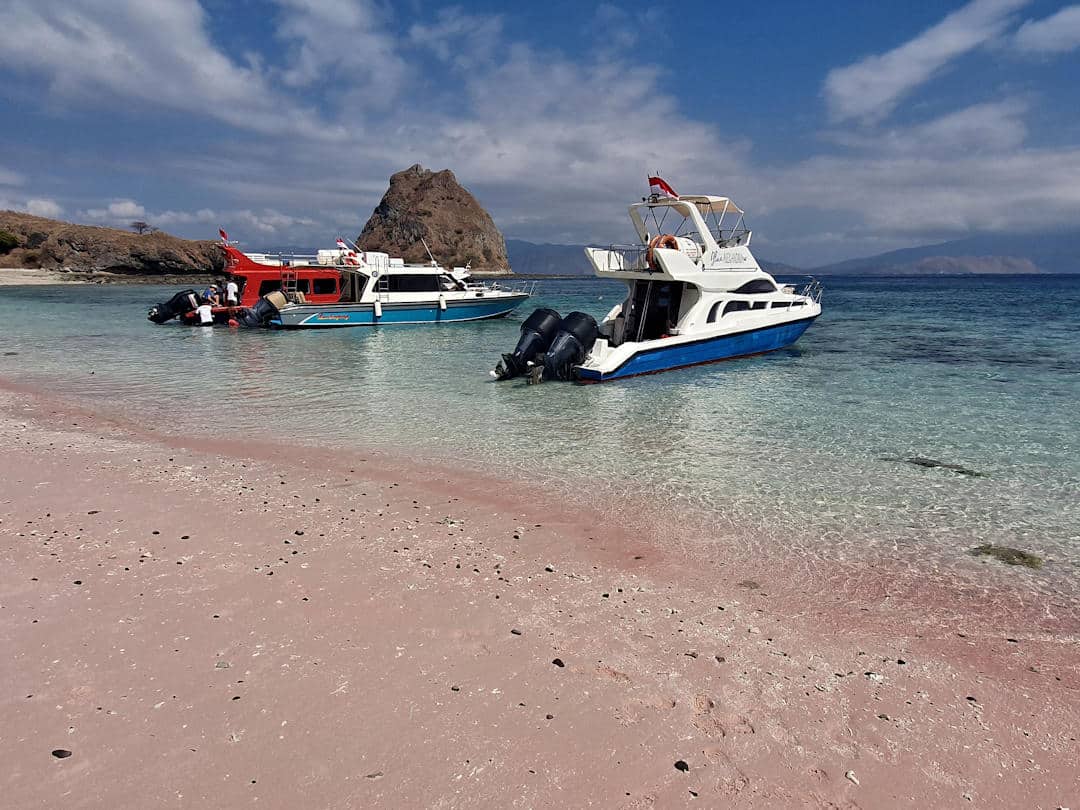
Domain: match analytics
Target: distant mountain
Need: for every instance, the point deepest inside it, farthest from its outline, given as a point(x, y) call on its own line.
point(530, 258)
point(987, 253)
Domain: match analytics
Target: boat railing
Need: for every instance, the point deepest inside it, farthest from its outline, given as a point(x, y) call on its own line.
point(811, 290)
point(627, 257)
point(517, 286)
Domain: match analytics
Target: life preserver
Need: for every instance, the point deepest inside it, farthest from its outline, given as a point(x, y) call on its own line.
point(664, 240)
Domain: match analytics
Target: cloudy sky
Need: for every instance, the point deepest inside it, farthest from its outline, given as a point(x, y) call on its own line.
point(844, 129)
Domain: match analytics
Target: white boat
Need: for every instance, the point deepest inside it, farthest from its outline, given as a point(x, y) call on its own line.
point(695, 294)
point(376, 289)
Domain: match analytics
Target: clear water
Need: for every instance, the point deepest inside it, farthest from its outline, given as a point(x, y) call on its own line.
point(790, 450)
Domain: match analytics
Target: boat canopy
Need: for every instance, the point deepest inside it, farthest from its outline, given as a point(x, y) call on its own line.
point(703, 218)
point(705, 203)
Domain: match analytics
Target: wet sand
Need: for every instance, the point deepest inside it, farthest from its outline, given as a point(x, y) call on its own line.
point(210, 625)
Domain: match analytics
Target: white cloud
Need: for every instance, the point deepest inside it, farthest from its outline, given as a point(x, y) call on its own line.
point(981, 128)
point(341, 42)
point(10, 178)
point(458, 37)
point(871, 88)
point(553, 144)
point(889, 194)
point(1057, 33)
point(150, 54)
point(44, 208)
point(267, 222)
point(116, 211)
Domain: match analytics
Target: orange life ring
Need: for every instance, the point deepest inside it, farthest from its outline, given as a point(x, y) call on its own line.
point(664, 240)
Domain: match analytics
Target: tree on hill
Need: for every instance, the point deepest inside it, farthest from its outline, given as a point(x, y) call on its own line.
point(141, 227)
point(8, 242)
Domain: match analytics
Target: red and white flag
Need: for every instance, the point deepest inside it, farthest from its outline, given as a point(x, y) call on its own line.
point(660, 188)
point(224, 236)
point(350, 254)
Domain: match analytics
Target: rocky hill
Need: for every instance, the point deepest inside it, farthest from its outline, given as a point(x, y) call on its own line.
point(432, 206)
point(37, 242)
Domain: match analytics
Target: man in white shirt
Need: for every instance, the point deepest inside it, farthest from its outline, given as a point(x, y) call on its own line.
point(232, 294)
point(206, 314)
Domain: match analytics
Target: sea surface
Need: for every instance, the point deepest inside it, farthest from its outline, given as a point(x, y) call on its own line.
point(802, 450)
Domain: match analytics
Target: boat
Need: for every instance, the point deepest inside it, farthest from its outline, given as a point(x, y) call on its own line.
point(695, 294)
point(348, 287)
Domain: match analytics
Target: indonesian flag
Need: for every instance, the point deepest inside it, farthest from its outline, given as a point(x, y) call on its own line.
point(350, 254)
point(660, 188)
point(224, 236)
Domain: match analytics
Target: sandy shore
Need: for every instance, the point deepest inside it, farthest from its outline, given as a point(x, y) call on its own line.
point(211, 626)
point(26, 276)
point(11, 276)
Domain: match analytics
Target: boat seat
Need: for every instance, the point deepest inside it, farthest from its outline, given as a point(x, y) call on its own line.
point(300, 297)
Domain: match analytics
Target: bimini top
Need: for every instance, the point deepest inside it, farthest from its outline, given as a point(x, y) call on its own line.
point(704, 219)
point(705, 203)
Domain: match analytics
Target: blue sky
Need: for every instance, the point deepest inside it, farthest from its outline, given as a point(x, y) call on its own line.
point(842, 129)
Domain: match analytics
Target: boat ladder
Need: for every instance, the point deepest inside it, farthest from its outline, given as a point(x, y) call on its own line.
point(289, 283)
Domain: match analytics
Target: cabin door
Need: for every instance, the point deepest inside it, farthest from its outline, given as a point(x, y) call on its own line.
point(637, 310)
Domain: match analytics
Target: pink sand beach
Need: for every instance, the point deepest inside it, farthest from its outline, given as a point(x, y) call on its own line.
point(202, 624)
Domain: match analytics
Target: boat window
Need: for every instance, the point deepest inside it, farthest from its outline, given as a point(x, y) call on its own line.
point(302, 285)
point(324, 286)
point(269, 286)
point(757, 285)
point(736, 306)
point(780, 304)
point(759, 305)
point(714, 313)
point(352, 287)
point(449, 283)
point(428, 282)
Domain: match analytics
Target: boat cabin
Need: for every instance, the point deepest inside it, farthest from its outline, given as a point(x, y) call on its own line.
point(259, 274)
point(338, 276)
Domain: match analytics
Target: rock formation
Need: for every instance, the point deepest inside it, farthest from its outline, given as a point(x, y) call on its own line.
point(37, 242)
point(433, 206)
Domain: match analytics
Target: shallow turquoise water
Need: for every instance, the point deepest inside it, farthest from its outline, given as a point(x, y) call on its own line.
point(789, 449)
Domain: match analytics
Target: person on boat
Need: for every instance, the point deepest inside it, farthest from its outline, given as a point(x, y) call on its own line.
point(210, 294)
point(232, 293)
point(205, 311)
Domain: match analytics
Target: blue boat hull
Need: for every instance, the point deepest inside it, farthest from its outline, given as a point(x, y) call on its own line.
point(328, 317)
point(708, 350)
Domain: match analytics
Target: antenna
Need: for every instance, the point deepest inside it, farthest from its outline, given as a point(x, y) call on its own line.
point(433, 262)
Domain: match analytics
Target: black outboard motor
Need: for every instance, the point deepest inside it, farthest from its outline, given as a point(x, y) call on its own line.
point(537, 333)
point(180, 303)
point(577, 334)
point(265, 309)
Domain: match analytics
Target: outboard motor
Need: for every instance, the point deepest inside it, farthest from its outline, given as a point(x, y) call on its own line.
point(182, 302)
point(537, 333)
point(577, 334)
point(265, 309)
